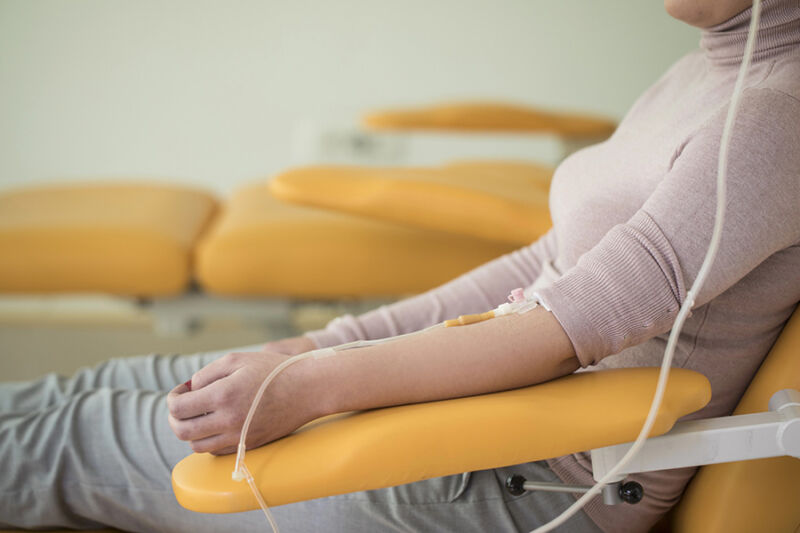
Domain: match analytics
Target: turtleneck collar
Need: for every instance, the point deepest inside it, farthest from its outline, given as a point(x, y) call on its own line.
point(778, 34)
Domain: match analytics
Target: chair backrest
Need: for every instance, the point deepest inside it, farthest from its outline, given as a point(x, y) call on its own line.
point(760, 495)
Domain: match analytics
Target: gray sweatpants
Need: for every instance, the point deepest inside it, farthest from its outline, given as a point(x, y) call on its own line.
point(96, 449)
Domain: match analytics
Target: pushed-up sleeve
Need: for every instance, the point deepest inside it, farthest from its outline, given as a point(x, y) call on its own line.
point(476, 291)
point(629, 287)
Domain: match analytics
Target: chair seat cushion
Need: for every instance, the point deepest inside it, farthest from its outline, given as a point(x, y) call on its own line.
point(504, 202)
point(397, 445)
point(489, 116)
point(119, 238)
point(261, 246)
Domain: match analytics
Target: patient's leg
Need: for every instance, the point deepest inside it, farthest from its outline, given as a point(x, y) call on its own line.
point(477, 504)
point(147, 372)
point(104, 457)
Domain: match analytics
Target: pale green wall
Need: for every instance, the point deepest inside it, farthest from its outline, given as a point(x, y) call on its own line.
point(207, 92)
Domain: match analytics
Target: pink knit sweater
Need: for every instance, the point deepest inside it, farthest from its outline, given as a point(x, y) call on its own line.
point(632, 219)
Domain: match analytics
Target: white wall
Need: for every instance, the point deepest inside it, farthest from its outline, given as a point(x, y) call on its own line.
point(210, 92)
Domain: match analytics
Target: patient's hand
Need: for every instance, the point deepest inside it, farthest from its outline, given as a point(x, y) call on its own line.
point(290, 346)
point(210, 415)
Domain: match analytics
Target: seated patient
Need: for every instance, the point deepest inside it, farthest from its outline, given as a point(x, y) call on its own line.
point(632, 219)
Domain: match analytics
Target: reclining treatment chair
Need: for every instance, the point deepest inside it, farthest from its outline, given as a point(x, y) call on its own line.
point(150, 240)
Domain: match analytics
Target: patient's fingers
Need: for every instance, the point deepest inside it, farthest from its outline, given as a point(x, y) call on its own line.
point(180, 389)
point(185, 404)
point(210, 373)
point(225, 451)
point(222, 367)
point(218, 444)
point(198, 428)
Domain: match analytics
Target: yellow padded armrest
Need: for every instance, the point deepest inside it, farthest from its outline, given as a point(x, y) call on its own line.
point(489, 116)
point(494, 202)
point(114, 237)
point(386, 447)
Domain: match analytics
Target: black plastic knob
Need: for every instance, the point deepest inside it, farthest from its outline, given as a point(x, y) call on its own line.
point(631, 492)
point(515, 484)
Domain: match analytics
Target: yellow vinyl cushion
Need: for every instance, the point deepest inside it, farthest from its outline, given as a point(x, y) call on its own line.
point(398, 445)
point(507, 203)
point(261, 246)
point(760, 495)
point(490, 116)
point(118, 238)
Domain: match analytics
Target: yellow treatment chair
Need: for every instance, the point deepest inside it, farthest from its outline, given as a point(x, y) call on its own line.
point(153, 240)
point(385, 447)
point(149, 239)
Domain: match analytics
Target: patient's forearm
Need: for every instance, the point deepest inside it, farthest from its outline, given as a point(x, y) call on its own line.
point(498, 354)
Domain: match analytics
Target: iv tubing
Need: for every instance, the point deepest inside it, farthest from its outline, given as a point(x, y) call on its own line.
point(722, 171)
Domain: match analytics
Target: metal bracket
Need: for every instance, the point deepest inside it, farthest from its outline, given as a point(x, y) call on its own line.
point(774, 433)
point(613, 493)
